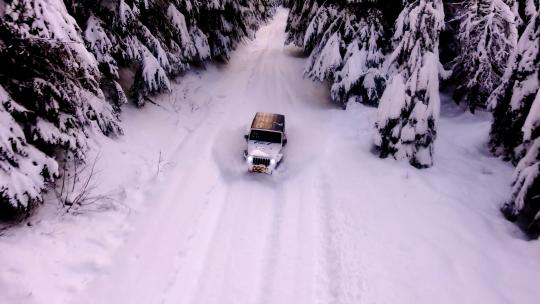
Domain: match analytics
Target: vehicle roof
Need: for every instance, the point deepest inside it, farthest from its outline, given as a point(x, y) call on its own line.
point(269, 121)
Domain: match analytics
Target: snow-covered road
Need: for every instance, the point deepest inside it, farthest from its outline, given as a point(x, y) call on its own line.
point(219, 234)
point(334, 224)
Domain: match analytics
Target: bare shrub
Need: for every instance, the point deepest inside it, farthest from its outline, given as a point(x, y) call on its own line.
point(76, 188)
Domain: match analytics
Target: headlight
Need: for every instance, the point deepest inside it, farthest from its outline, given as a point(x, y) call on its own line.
point(272, 161)
point(250, 159)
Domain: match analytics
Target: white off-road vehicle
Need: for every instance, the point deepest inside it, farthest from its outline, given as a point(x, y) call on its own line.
point(265, 142)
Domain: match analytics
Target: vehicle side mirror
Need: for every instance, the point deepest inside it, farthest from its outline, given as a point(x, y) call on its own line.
point(246, 137)
point(285, 142)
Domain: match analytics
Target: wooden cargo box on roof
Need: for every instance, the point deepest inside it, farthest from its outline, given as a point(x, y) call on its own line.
point(269, 121)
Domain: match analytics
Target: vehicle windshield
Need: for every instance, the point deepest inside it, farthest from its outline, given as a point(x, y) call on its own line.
point(266, 136)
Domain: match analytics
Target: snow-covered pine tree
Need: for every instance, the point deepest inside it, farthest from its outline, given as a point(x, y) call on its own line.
point(323, 40)
point(255, 12)
point(525, 10)
point(524, 204)
point(511, 102)
point(24, 170)
point(223, 26)
point(50, 97)
point(346, 41)
point(300, 16)
point(125, 34)
point(360, 78)
point(487, 35)
point(408, 112)
point(302, 13)
point(58, 77)
point(48, 71)
point(160, 39)
point(515, 133)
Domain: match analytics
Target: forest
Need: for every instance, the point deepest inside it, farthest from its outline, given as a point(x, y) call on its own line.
point(269, 151)
point(67, 68)
point(399, 57)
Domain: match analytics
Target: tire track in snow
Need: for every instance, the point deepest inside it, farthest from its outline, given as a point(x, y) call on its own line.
point(234, 260)
point(340, 273)
point(272, 250)
point(256, 79)
point(130, 271)
point(290, 264)
point(282, 264)
point(254, 239)
point(179, 260)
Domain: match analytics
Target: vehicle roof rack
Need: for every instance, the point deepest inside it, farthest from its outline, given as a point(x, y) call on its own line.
point(269, 121)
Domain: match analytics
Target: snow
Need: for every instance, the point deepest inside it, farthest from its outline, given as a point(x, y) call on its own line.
point(327, 61)
point(324, 17)
point(415, 93)
point(488, 34)
point(51, 21)
point(530, 8)
point(526, 172)
point(126, 14)
point(533, 119)
point(393, 100)
point(157, 50)
point(48, 132)
point(23, 166)
point(178, 22)
point(100, 44)
point(428, 80)
point(154, 76)
point(200, 42)
point(334, 224)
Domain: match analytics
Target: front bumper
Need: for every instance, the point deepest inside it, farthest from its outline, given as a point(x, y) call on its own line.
point(260, 164)
point(260, 169)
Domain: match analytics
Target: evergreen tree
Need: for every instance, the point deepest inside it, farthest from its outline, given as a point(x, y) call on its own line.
point(161, 39)
point(24, 170)
point(127, 34)
point(324, 41)
point(524, 204)
point(513, 99)
point(346, 41)
point(360, 77)
point(515, 133)
point(48, 71)
point(50, 97)
point(409, 108)
point(487, 35)
point(63, 60)
point(301, 14)
point(255, 12)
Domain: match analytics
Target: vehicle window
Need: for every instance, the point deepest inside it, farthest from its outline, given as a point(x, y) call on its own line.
point(271, 137)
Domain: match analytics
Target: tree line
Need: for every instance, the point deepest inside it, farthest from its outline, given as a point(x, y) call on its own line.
point(397, 55)
point(68, 66)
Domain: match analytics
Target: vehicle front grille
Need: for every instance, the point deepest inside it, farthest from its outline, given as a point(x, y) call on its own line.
point(257, 161)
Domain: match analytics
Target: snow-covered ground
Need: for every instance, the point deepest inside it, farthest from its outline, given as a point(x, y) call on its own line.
point(334, 224)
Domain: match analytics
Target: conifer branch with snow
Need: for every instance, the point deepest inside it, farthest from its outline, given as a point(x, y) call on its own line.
point(515, 132)
point(346, 42)
point(61, 74)
point(408, 112)
point(487, 36)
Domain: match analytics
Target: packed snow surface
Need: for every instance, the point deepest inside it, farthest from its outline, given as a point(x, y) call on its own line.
point(334, 224)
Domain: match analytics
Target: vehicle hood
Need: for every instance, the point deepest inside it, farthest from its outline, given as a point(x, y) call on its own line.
point(263, 149)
